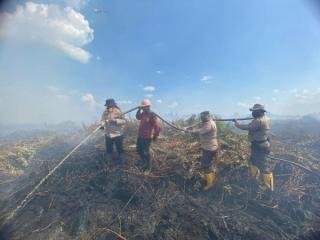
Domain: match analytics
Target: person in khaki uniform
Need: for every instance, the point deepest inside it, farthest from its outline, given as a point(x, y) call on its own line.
point(258, 129)
point(113, 122)
point(209, 147)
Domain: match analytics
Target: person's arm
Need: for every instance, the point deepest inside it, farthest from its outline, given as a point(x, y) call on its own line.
point(156, 127)
point(194, 130)
point(120, 119)
point(242, 126)
point(139, 114)
point(253, 126)
point(103, 119)
point(202, 129)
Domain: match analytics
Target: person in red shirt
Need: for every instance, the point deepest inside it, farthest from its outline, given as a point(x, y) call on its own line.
point(149, 130)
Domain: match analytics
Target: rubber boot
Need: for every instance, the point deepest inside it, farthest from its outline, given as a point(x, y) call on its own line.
point(255, 172)
point(210, 180)
point(268, 181)
point(267, 189)
point(255, 182)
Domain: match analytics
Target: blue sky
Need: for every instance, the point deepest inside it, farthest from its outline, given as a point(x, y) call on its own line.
point(59, 60)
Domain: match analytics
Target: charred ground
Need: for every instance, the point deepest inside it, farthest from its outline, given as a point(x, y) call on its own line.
point(83, 201)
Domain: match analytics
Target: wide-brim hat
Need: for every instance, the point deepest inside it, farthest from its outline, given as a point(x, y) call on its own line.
point(110, 103)
point(205, 114)
point(258, 107)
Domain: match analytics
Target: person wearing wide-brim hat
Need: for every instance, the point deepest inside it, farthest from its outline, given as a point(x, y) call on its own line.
point(113, 122)
point(258, 133)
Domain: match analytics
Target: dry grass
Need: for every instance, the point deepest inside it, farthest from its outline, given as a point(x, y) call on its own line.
point(83, 200)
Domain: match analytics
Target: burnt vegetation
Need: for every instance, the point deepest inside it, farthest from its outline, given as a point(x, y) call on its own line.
point(82, 200)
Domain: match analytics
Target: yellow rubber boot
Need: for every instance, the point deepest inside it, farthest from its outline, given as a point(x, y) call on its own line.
point(255, 172)
point(210, 178)
point(268, 180)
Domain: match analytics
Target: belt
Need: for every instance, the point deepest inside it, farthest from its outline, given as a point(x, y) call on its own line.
point(258, 142)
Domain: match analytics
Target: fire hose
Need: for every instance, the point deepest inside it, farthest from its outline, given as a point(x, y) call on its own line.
point(26, 200)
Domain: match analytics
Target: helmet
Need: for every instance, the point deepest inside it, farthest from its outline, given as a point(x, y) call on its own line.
point(110, 103)
point(257, 107)
point(145, 103)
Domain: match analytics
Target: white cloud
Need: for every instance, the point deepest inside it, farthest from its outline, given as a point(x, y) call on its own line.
point(304, 95)
point(62, 28)
point(173, 105)
point(73, 92)
point(301, 98)
point(53, 89)
point(89, 100)
point(99, 10)
point(206, 79)
point(149, 95)
point(62, 94)
point(159, 72)
point(159, 101)
point(149, 88)
point(257, 98)
point(77, 4)
point(54, 107)
point(74, 52)
point(294, 90)
point(243, 104)
point(276, 91)
point(124, 102)
point(63, 97)
point(296, 101)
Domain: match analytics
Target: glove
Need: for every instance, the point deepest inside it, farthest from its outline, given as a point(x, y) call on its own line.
point(101, 127)
point(155, 138)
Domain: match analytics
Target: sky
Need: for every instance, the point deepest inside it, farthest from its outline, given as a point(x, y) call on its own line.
point(60, 60)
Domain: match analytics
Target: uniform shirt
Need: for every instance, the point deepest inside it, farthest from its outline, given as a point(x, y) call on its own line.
point(208, 135)
point(113, 129)
point(258, 129)
point(149, 124)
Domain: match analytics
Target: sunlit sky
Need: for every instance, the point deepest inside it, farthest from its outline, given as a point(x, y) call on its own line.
point(60, 60)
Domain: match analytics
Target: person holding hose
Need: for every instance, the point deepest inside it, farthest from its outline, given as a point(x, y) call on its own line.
point(149, 130)
point(113, 121)
point(209, 147)
point(258, 134)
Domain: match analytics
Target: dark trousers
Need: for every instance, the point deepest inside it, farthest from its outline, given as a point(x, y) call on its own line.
point(259, 158)
point(143, 149)
point(118, 141)
point(208, 160)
